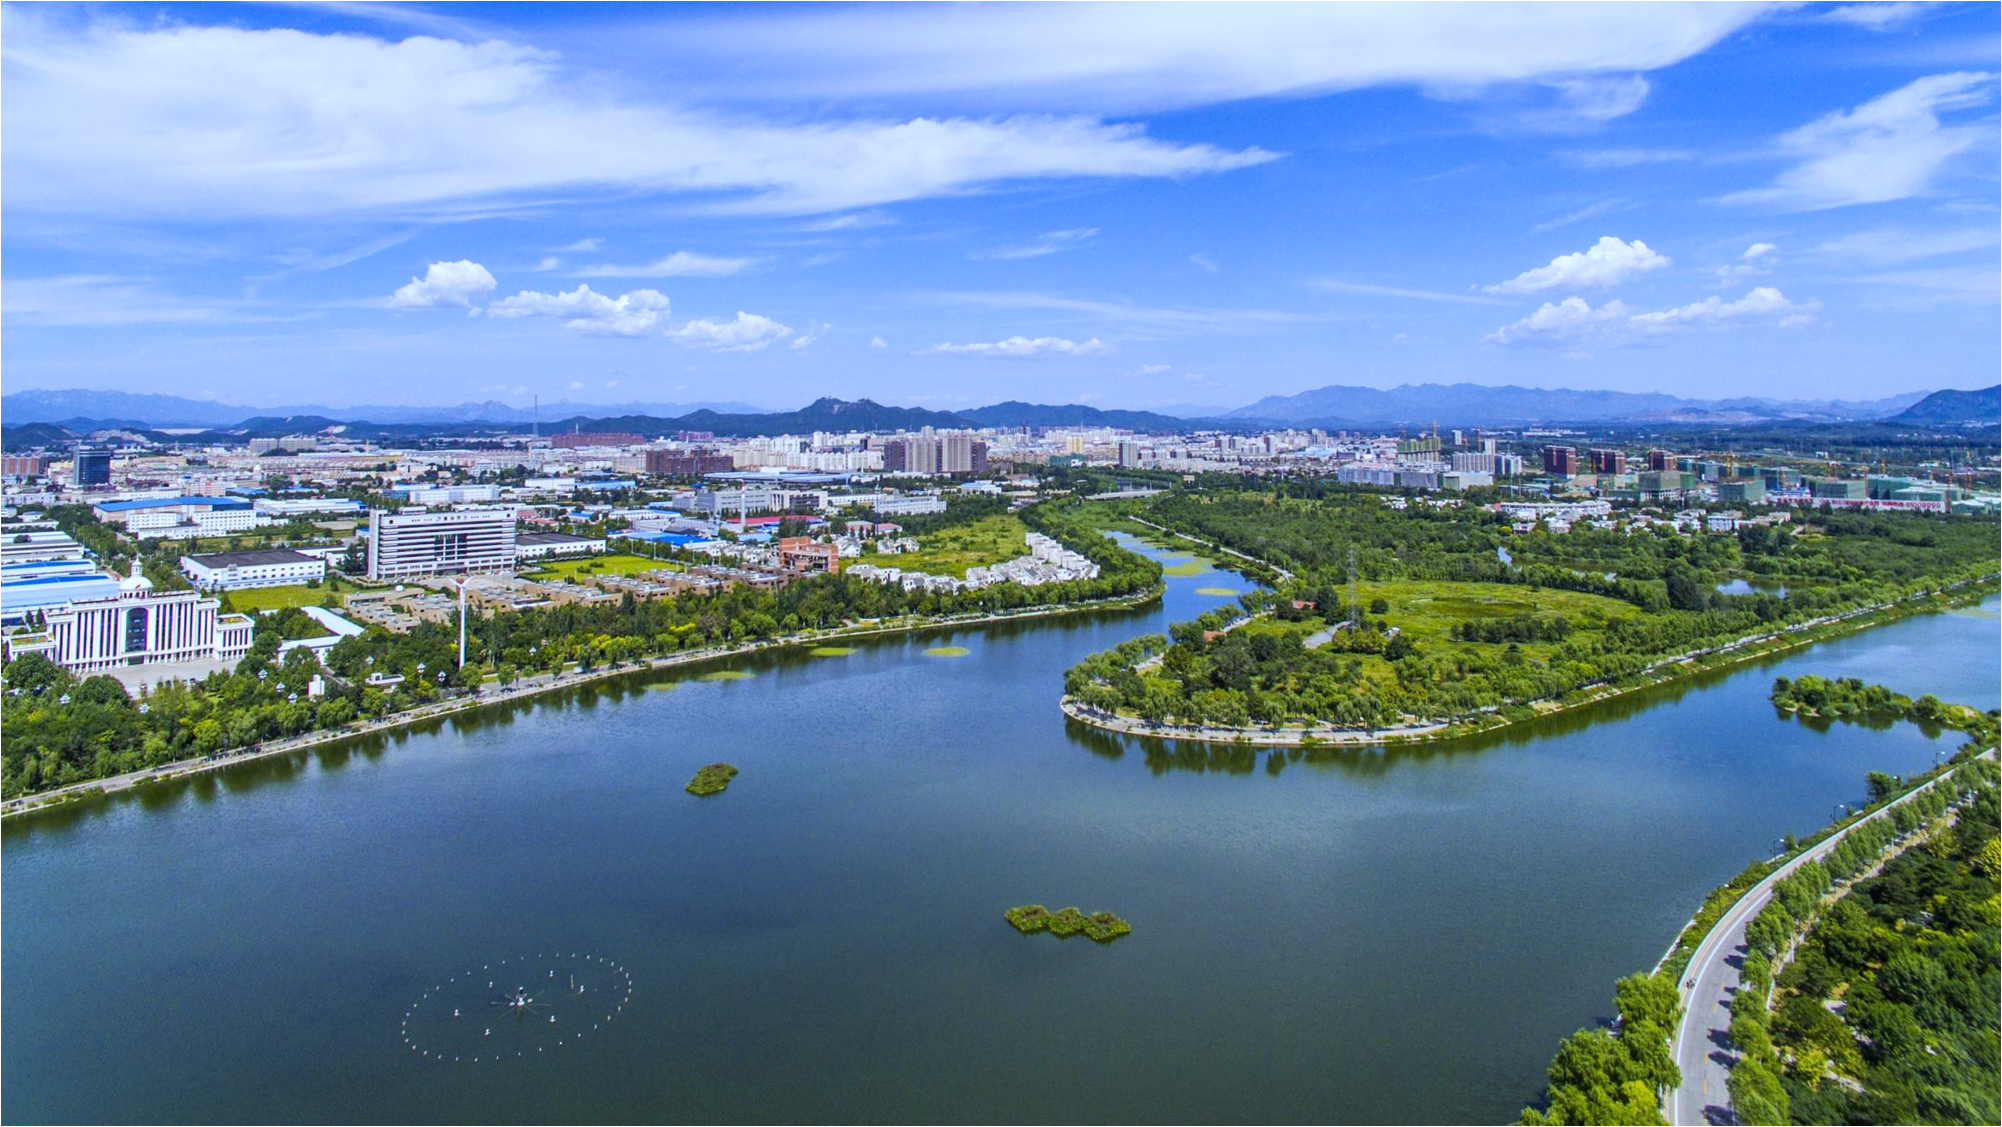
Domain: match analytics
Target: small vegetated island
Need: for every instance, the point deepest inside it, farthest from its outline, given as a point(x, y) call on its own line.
point(1410, 617)
point(713, 779)
point(1103, 927)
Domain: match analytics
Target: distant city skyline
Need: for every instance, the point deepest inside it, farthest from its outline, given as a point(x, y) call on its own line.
point(953, 206)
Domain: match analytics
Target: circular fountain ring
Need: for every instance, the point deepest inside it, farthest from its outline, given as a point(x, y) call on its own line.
point(517, 1008)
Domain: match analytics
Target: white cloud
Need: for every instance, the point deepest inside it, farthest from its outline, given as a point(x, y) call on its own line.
point(1607, 262)
point(583, 310)
point(610, 384)
point(1150, 369)
point(111, 117)
point(1573, 321)
point(878, 342)
point(458, 284)
point(1205, 262)
point(1050, 242)
point(748, 333)
point(1888, 148)
point(802, 342)
point(1022, 348)
point(1879, 16)
point(549, 262)
point(1759, 258)
point(581, 246)
point(680, 264)
point(574, 385)
point(1108, 58)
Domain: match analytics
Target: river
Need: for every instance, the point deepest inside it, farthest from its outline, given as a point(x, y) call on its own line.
point(1378, 936)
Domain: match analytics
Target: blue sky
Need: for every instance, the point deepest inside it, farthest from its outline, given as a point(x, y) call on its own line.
point(1123, 205)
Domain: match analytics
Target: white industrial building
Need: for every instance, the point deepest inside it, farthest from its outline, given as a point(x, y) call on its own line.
point(416, 542)
point(286, 508)
point(542, 545)
point(263, 567)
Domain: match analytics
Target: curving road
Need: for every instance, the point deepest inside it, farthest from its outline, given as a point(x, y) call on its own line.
point(1701, 1046)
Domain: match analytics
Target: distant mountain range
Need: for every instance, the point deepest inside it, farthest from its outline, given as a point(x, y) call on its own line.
point(156, 411)
point(34, 418)
point(1507, 405)
point(1984, 406)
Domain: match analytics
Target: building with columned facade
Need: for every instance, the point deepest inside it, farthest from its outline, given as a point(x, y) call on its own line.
point(138, 626)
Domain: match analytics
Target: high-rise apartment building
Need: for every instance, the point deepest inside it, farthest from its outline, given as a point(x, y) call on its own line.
point(1606, 461)
point(1560, 460)
point(418, 542)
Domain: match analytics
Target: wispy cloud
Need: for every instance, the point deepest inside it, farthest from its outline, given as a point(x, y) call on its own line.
point(1021, 348)
point(1623, 158)
point(1049, 242)
point(1589, 211)
point(1882, 16)
point(108, 300)
point(1205, 263)
point(680, 264)
point(1889, 148)
point(1890, 246)
point(110, 118)
point(1139, 320)
point(1193, 54)
point(853, 221)
point(1336, 285)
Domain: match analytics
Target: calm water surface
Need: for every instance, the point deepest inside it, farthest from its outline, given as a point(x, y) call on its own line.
point(1378, 937)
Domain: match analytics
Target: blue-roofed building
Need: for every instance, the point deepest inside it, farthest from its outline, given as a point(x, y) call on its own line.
point(49, 585)
point(179, 518)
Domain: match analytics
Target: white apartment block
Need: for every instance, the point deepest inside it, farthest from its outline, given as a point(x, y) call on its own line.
point(416, 542)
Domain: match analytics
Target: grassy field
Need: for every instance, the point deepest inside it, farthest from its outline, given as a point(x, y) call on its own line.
point(989, 540)
point(615, 564)
point(254, 599)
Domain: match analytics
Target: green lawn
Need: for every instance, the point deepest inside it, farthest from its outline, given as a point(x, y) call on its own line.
point(252, 599)
point(988, 540)
point(1428, 611)
point(615, 564)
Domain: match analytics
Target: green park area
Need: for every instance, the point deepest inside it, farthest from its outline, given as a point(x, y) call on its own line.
point(950, 551)
point(251, 600)
point(1421, 614)
point(616, 564)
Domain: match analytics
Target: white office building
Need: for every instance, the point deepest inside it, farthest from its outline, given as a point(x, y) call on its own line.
point(417, 542)
point(139, 626)
point(264, 567)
